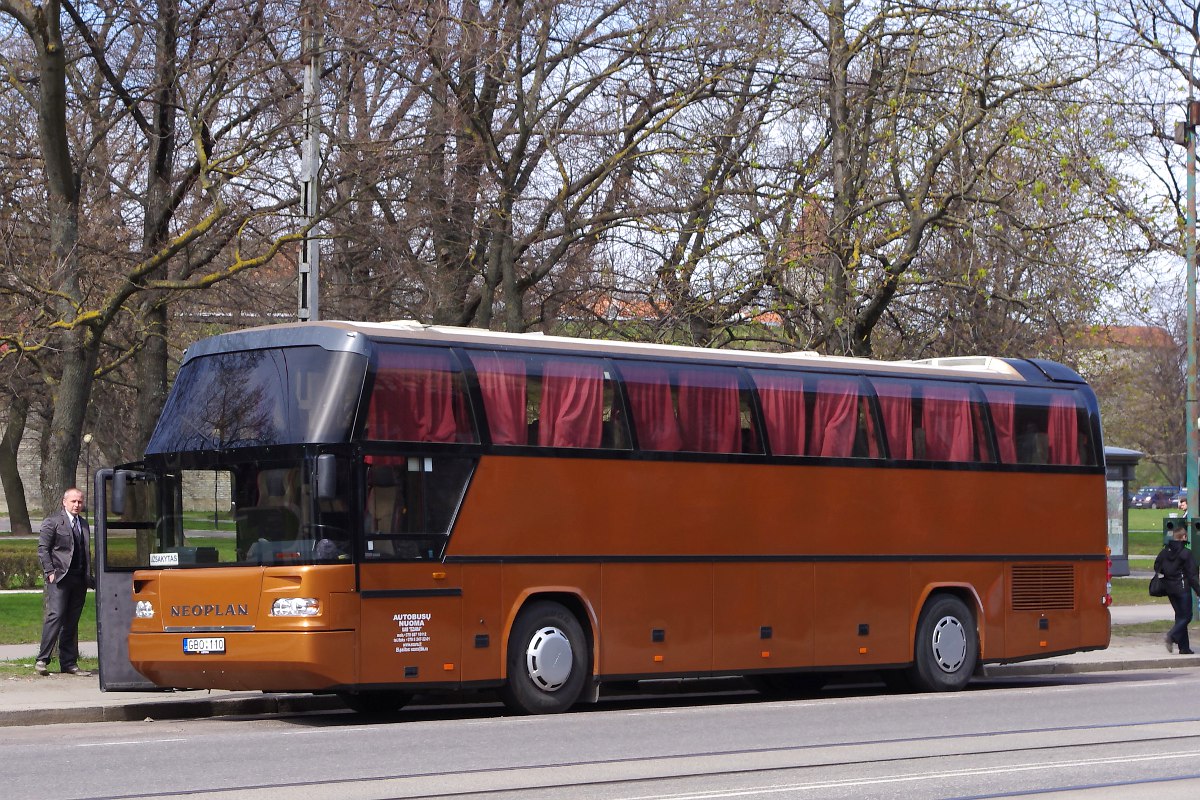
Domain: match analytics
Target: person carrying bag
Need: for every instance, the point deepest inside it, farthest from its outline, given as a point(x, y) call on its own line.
point(1178, 568)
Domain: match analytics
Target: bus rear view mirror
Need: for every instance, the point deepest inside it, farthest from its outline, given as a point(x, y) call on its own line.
point(326, 476)
point(120, 488)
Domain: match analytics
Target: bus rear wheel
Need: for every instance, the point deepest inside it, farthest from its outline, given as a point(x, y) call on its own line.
point(547, 660)
point(947, 646)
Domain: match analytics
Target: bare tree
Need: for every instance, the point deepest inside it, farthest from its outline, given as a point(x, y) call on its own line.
point(487, 185)
point(164, 143)
point(1138, 373)
point(923, 104)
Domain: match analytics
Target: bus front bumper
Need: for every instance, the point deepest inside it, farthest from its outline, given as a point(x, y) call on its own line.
point(285, 661)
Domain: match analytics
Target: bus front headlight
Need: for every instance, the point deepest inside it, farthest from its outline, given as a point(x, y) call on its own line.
point(295, 607)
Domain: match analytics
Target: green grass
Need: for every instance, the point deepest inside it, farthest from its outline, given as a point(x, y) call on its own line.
point(1157, 628)
point(200, 521)
point(1146, 530)
point(1134, 592)
point(21, 618)
point(23, 667)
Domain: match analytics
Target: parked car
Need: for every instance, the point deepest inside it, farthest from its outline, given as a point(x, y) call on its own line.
point(1155, 497)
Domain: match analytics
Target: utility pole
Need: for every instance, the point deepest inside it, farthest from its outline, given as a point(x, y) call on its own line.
point(310, 188)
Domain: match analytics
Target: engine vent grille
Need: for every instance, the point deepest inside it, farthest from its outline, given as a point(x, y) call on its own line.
point(1039, 587)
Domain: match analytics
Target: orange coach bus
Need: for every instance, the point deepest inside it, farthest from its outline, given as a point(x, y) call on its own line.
point(412, 508)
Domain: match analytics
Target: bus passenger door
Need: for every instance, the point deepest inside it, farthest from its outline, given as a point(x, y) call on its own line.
point(125, 507)
point(411, 612)
point(411, 618)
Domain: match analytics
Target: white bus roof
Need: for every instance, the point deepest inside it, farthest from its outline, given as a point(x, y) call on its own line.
point(413, 331)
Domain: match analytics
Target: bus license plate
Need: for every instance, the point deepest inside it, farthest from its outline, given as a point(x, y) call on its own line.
point(204, 646)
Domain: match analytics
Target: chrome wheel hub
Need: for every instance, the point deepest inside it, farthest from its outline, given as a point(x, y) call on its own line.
point(949, 644)
point(548, 658)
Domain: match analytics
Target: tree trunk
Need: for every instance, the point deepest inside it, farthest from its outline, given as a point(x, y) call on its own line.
point(10, 477)
point(151, 375)
point(78, 351)
point(836, 311)
point(152, 359)
point(60, 446)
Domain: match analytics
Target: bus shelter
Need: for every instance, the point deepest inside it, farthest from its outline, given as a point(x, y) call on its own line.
point(1119, 466)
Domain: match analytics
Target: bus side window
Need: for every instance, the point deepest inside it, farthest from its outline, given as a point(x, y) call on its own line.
point(695, 409)
point(1039, 426)
point(614, 431)
point(1063, 429)
point(418, 396)
point(952, 423)
point(841, 420)
point(896, 409)
point(709, 405)
point(784, 405)
point(503, 384)
point(572, 403)
point(549, 401)
point(652, 406)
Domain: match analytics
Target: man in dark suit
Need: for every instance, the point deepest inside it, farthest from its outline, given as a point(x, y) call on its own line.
point(64, 552)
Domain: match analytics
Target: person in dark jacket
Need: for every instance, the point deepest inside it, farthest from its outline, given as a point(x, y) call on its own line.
point(1178, 568)
point(64, 552)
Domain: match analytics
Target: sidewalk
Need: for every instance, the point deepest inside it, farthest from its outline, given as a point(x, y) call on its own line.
point(58, 698)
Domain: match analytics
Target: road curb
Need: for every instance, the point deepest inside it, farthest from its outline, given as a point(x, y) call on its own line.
point(173, 709)
point(1069, 668)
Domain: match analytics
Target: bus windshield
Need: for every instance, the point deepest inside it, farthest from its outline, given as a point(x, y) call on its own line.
point(260, 513)
point(256, 398)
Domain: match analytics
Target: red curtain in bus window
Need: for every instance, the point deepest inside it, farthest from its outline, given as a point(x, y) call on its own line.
point(947, 422)
point(502, 384)
point(782, 399)
point(709, 412)
point(1062, 430)
point(414, 398)
point(1003, 403)
point(835, 418)
point(648, 387)
point(895, 405)
point(572, 404)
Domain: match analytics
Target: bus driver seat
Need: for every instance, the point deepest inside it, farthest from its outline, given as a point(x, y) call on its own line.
point(276, 518)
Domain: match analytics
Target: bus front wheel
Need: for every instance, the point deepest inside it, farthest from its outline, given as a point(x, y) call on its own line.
point(547, 660)
point(947, 646)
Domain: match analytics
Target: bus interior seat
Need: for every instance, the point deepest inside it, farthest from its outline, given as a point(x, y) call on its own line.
point(277, 487)
point(1033, 447)
point(277, 515)
point(383, 501)
point(382, 495)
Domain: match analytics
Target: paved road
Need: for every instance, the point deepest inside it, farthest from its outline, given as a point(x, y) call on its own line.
point(1097, 736)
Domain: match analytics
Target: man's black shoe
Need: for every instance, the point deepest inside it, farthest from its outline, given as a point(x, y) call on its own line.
point(83, 673)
